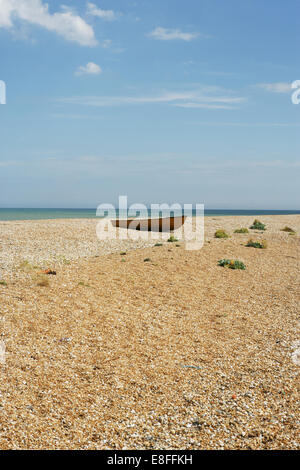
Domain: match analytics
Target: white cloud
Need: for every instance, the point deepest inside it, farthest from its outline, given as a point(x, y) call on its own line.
point(201, 98)
point(6, 9)
point(89, 69)
point(93, 10)
point(7, 163)
point(65, 23)
point(279, 87)
point(154, 162)
point(204, 106)
point(245, 124)
point(241, 165)
point(165, 34)
point(106, 43)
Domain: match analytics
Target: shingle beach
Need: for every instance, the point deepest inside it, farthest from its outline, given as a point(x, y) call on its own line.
point(176, 352)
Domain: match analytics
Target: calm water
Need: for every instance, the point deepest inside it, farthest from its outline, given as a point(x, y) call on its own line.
point(37, 214)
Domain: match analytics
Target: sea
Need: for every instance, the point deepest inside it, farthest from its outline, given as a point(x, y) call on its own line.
point(44, 214)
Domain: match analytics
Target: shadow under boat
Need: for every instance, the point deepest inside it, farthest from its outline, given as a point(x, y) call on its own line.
point(160, 224)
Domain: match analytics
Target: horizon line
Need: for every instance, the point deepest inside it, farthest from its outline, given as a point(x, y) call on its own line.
point(147, 206)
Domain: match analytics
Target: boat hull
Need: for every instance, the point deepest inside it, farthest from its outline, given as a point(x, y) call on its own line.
point(161, 224)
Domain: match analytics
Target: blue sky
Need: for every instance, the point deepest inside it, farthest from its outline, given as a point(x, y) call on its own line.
point(161, 100)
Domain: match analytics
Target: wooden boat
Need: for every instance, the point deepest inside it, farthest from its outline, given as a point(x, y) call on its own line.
point(161, 224)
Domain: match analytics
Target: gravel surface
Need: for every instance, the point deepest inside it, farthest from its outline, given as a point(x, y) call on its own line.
point(114, 352)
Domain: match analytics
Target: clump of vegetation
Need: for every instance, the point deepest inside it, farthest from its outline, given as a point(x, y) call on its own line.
point(231, 264)
point(257, 225)
point(3, 283)
point(123, 260)
point(262, 244)
point(172, 239)
point(221, 234)
point(158, 244)
point(123, 253)
point(146, 260)
point(83, 284)
point(290, 230)
point(26, 266)
point(63, 259)
point(241, 230)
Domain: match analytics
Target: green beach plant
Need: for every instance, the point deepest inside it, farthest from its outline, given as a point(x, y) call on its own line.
point(231, 264)
point(262, 244)
point(241, 230)
point(158, 244)
point(172, 239)
point(221, 234)
point(257, 225)
point(26, 266)
point(3, 283)
point(146, 260)
point(288, 230)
